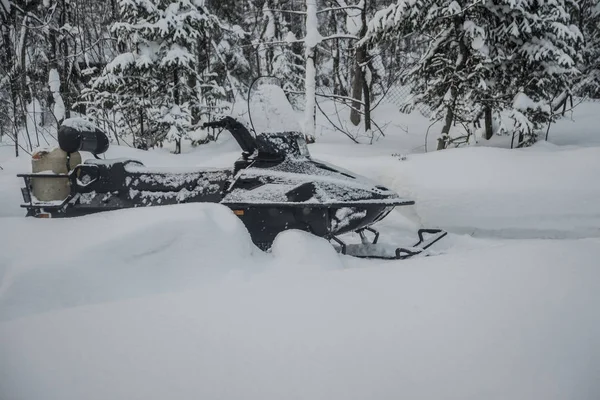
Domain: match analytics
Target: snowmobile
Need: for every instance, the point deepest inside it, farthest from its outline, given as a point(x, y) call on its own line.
point(275, 185)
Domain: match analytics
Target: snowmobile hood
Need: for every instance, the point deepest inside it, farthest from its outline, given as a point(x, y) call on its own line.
point(302, 180)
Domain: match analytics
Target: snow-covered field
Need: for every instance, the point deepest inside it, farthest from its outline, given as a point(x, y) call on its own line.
point(176, 303)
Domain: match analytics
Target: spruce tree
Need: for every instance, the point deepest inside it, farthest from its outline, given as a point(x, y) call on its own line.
point(278, 47)
point(589, 23)
point(156, 86)
point(514, 55)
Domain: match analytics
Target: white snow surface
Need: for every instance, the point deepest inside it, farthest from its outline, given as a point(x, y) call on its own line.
point(54, 80)
point(176, 302)
point(80, 123)
point(197, 312)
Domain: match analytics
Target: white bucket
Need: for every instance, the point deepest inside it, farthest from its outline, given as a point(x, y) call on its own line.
point(52, 161)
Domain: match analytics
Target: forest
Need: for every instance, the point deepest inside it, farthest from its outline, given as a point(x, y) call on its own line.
point(152, 71)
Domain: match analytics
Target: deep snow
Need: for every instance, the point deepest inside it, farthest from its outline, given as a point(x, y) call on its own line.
point(175, 302)
point(178, 304)
point(545, 191)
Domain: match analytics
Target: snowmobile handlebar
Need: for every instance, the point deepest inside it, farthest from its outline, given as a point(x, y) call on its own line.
point(222, 123)
point(238, 131)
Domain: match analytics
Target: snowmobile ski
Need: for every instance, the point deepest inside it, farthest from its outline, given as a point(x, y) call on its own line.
point(375, 250)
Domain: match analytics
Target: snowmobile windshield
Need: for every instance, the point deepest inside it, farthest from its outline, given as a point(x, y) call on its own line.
point(302, 146)
point(282, 145)
point(270, 110)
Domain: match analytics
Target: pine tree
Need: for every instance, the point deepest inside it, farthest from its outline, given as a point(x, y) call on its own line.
point(286, 62)
point(512, 55)
point(279, 51)
point(6, 62)
point(536, 59)
point(157, 85)
point(589, 24)
point(228, 52)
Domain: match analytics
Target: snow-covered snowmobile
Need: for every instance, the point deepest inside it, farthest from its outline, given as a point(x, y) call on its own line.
point(275, 185)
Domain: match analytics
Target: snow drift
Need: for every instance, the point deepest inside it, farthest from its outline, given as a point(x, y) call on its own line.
point(175, 302)
point(541, 192)
point(111, 256)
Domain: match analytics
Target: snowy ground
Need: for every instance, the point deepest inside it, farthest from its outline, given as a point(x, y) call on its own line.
point(175, 302)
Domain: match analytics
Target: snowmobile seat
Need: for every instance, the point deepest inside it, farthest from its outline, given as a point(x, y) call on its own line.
point(103, 175)
point(129, 183)
point(115, 161)
point(77, 134)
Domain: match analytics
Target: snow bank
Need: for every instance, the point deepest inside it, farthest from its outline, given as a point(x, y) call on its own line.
point(537, 192)
point(579, 127)
point(516, 321)
point(300, 251)
point(116, 255)
point(541, 192)
point(10, 185)
point(175, 302)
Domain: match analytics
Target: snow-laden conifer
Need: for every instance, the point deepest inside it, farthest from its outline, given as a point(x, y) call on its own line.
point(514, 55)
point(158, 86)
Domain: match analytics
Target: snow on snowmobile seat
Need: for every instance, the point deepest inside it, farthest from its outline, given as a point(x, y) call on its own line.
point(128, 183)
point(78, 134)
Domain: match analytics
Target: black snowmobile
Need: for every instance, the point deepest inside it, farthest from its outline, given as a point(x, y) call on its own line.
point(274, 186)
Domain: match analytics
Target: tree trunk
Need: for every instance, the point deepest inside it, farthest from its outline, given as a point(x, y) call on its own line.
point(357, 86)
point(336, 68)
point(22, 59)
point(141, 134)
point(177, 99)
point(521, 139)
point(25, 97)
point(365, 60)
point(489, 132)
point(335, 56)
point(357, 90)
point(114, 9)
point(16, 130)
point(310, 82)
point(367, 93)
point(64, 50)
point(310, 90)
point(443, 139)
point(8, 61)
point(358, 82)
point(463, 55)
